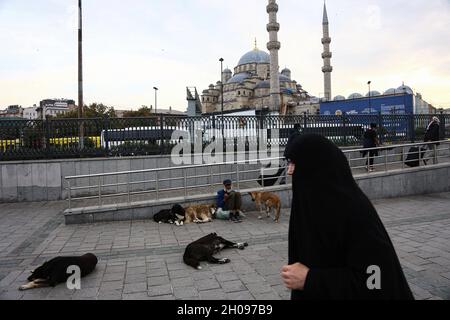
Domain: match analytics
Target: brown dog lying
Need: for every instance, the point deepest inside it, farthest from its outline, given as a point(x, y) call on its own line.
point(199, 213)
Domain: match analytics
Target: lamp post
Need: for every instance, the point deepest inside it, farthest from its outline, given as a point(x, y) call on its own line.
point(370, 95)
point(80, 73)
point(221, 91)
point(156, 99)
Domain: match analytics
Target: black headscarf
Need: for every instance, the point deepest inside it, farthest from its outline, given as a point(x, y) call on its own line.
point(335, 230)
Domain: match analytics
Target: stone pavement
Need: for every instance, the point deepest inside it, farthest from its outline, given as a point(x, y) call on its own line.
point(143, 260)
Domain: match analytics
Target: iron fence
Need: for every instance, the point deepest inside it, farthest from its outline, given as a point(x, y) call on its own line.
point(116, 137)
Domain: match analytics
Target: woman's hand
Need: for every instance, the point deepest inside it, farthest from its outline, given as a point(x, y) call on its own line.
point(294, 276)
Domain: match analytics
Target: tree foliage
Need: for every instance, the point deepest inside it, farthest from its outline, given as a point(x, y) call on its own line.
point(94, 110)
point(143, 112)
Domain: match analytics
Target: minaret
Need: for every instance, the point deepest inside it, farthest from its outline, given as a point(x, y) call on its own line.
point(326, 55)
point(273, 46)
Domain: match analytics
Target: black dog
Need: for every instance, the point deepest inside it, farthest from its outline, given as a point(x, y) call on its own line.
point(54, 272)
point(204, 249)
point(174, 215)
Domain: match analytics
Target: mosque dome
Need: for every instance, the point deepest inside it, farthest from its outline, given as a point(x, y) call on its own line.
point(255, 56)
point(373, 94)
point(403, 89)
point(284, 78)
point(227, 71)
point(391, 91)
point(355, 96)
point(339, 98)
point(238, 78)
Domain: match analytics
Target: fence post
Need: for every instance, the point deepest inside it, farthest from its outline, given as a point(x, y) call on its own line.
point(305, 122)
point(47, 137)
point(106, 126)
point(381, 128)
point(413, 127)
point(442, 126)
point(161, 120)
point(344, 125)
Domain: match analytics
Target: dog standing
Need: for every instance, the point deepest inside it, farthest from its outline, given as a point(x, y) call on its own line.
point(175, 215)
point(200, 213)
point(204, 249)
point(271, 201)
point(54, 272)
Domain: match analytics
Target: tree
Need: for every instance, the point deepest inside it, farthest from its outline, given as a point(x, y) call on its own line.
point(94, 110)
point(143, 112)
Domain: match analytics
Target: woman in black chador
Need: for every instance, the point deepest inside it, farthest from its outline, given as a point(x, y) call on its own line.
point(338, 246)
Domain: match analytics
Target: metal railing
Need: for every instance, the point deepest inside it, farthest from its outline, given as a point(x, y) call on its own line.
point(118, 137)
point(188, 181)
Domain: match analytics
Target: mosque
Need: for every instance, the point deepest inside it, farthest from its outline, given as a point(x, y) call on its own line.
point(257, 84)
point(249, 86)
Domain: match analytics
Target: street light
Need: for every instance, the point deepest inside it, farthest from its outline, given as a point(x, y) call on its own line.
point(156, 99)
point(80, 73)
point(370, 95)
point(221, 90)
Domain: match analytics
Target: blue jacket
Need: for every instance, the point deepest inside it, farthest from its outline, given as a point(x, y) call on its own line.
point(221, 199)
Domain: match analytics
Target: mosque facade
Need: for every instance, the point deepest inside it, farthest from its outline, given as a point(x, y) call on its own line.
point(249, 87)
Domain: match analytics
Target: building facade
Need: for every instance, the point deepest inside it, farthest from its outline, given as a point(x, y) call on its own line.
point(54, 107)
point(12, 112)
point(31, 113)
point(249, 87)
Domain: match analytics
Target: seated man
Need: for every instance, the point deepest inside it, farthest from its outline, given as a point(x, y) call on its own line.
point(228, 203)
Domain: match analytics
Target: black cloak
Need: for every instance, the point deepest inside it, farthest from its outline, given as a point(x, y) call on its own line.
point(335, 230)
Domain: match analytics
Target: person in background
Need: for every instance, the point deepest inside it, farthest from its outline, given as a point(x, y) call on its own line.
point(229, 203)
point(431, 135)
point(339, 248)
point(371, 141)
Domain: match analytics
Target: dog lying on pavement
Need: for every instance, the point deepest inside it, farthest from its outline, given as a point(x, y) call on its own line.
point(54, 272)
point(270, 201)
point(200, 213)
point(175, 215)
point(205, 248)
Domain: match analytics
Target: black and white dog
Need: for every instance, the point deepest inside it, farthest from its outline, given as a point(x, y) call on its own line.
point(204, 249)
point(175, 215)
point(55, 271)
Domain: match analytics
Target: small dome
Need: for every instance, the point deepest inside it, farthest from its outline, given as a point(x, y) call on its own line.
point(238, 78)
point(373, 94)
point(339, 98)
point(284, 78)
point(254, 56)
point(285, 70)
point(227, 71)
point(391, 91)
point(355, 96)
point(403, 89)
point(211, 86)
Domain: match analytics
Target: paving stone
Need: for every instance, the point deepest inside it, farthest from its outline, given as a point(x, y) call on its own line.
point(160, 290)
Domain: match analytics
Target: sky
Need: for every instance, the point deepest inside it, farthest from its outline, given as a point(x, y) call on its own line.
point(131, 47)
